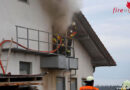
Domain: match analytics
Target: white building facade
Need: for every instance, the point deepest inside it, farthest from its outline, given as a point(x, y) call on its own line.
point(31, 14)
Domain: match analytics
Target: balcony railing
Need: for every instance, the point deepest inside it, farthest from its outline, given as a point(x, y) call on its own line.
point(40, 40)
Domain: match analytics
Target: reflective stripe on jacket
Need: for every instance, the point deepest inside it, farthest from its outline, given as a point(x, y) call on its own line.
point(88, 88)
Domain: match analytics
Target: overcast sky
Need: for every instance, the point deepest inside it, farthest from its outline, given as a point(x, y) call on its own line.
point(114, 32)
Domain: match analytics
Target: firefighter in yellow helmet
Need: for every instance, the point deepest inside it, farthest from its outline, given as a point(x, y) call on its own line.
point(89, 84)
point(65, 47)
point(70, 34)
point(56, 41)
point(126, 85)
point(62, 47)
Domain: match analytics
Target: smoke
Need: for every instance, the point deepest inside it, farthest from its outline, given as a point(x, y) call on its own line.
point(61, 13)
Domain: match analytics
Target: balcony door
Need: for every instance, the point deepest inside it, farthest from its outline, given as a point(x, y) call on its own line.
point(60, 83)
point(73, 83)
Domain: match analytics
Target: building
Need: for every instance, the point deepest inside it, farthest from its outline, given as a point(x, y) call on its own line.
point(26, 22)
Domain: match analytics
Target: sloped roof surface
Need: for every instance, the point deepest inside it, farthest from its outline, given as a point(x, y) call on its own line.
point(90, 41)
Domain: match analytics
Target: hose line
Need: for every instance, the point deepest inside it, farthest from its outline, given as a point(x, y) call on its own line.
point(5, 41)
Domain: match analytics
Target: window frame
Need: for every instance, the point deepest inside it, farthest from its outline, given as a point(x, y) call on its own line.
point(76, 82)
point(30, 65)
point(64, 82)
point(27, 2)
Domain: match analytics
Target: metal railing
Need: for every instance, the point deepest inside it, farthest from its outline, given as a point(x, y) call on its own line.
point(26, 32)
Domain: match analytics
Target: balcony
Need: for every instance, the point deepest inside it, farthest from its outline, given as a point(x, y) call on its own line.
point(59, 62)
point(40, 43)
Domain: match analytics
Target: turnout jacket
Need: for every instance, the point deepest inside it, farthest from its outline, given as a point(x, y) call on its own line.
point(88, 88)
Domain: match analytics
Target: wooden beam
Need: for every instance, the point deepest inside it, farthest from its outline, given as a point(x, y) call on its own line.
point(19, 83)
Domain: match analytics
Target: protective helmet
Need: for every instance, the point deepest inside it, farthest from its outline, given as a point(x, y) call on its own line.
point(90, 78)
point(73, 23)
point(71, 31)
point(126, 84)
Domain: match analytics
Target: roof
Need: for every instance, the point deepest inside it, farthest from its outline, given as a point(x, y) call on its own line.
point(92, 44)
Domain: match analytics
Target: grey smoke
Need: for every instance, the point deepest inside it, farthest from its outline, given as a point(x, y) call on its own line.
point(61, 12)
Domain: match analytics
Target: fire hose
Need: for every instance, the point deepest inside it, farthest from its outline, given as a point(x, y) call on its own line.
point(5, 41)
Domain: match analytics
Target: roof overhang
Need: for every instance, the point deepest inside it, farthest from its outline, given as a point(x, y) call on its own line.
point(90, 41)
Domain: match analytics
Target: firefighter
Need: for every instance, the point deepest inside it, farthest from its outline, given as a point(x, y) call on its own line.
point(89, 84)
point(62, 47)
point(56, 41)
point(70, 34)
point(65, 48)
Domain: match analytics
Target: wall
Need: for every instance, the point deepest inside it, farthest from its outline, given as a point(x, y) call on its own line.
point(49, 81)
point(15, 58)
point(31, 15)
point(85, 67)
point(14, 61)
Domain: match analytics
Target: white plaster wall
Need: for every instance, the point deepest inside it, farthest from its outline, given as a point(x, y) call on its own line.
point(85, 67)
point(15, 58)
point(31, 15)
point(14, 61)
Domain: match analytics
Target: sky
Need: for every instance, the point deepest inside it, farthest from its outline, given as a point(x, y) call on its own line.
point(114, 32)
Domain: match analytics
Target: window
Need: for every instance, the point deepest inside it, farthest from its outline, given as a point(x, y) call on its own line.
point(26, 1)
point(25, 68)
point(60, 83)
point(73, 83)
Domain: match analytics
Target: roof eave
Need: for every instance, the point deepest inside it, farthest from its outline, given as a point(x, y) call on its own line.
point(86, 33)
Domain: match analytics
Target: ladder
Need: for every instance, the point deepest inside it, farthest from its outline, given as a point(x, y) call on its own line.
point(5, 62)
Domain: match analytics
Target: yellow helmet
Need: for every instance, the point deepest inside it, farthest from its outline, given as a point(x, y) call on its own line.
point(89, 78)
point(73, 23)
point(126, 84)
